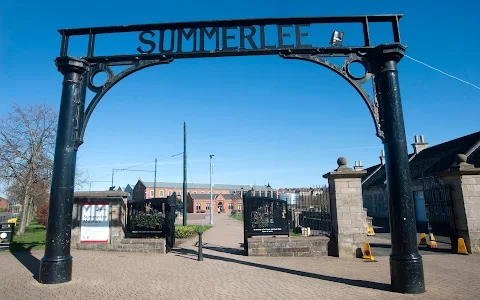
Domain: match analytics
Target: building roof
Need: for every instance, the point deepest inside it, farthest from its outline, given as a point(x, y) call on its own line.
point(432, 160)
point(207, 196)
point(203, 196)
point(217, 186)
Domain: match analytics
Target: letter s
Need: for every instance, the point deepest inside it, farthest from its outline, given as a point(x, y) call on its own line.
point(142, 39)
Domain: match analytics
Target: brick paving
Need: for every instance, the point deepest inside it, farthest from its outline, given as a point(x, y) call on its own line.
point(225, 274)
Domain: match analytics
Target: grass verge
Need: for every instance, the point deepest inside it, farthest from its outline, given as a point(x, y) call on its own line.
point(237, 217)
point(33, 239)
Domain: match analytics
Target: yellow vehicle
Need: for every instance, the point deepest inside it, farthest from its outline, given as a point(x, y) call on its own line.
point(13, 220)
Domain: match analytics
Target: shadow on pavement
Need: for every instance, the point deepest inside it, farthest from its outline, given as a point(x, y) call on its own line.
point(420, 248)
point(234, 251)
point(352, 282)
point(28, 261)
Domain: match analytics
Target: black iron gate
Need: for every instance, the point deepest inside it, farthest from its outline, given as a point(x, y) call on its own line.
point(263, 216)
point(439, 209)
point(152, 218)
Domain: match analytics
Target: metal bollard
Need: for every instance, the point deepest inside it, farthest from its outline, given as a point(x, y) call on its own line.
point(200, 254)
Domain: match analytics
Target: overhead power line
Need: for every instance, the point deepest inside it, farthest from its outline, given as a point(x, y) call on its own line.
point(444, 73)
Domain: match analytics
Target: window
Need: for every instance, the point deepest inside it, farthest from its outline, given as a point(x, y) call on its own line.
point(274, 195)
point(152, 194)
point(195, 192)
point(257, 194)
point(208, 206)
point(179, 193)
point(230, 206)
point(170, 193)
point(199, 207)
point(263, 193)
point(269, 194)
point(203, 192)
point(162, 194)
point(239, 206)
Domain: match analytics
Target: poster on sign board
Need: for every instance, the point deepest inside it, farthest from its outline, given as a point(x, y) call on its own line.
point(95, 223)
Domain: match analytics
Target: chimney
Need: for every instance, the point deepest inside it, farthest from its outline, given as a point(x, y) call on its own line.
point(382, 158)
point(358, 166)
point(419, 144)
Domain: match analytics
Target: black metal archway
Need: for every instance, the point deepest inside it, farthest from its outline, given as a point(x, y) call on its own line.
point(380, 63)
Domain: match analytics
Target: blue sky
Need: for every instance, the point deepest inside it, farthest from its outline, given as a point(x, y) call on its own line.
point(267, 120)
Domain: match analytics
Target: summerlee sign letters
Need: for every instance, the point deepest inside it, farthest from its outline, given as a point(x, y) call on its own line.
point(169, 40)
point(159, 44)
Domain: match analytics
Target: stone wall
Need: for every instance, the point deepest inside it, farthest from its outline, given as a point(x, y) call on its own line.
point(288, 246)
point(464, 178)
point(128, 245)
point(348, 217)
point(118, 208)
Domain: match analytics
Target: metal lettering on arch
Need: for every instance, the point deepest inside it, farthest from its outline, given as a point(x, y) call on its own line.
point(292, 38)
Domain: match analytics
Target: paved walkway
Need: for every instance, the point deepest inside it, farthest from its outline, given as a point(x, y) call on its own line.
point(225, 274)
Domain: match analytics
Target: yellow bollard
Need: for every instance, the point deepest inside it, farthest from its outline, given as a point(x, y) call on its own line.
point(433, 243)
point(370, 231)
point(423, 239)
point(367, 252)
point(462, 248)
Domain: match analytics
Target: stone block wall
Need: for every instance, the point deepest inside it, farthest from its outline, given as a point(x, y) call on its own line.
point(348, 216)
point(128, 245)
point(118, 208)
point(288, 246)
point(471, 194)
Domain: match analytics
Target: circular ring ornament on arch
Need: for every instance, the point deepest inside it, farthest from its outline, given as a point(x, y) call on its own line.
point(95, 71)
point(356, 59)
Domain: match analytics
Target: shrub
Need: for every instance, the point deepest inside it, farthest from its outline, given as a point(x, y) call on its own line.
point(184, 232)
point(42, 213)
point(147, 221)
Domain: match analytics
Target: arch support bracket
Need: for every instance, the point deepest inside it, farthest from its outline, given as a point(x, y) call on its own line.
point(355, 82)
point(112, 79)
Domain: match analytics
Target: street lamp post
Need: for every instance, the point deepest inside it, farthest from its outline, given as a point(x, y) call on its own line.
point(211, 195)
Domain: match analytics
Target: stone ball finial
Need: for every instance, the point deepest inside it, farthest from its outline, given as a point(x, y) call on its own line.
point(342, 161)
point(461, 158)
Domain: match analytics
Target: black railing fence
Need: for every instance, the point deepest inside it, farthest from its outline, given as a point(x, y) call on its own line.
point(153, 217)
point(311, 210)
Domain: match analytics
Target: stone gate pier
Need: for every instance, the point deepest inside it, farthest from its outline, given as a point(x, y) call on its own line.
point(347, 213)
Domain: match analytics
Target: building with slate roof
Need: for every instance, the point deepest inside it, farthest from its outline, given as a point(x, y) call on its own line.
point(145, 189)
point(425, 162)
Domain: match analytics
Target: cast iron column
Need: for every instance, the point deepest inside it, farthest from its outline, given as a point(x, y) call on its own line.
point(406, 267)
point(56, 265)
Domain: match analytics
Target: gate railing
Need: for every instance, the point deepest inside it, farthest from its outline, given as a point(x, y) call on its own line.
point(312, 211)
point(153, 217)
point(264, 216)
point(439, 210)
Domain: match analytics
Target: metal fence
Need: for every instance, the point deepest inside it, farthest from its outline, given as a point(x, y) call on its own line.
point(153, 217)
point(312, 210)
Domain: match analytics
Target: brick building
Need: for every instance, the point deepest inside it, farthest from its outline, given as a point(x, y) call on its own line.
point(144, 189)
point(222, 203)
point(3, 203)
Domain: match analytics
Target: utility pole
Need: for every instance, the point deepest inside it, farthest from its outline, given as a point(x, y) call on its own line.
point(113, 170)
point(184, 174)
point(155, 180)
point(211, 195)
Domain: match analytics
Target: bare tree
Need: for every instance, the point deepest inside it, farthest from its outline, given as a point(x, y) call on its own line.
point(27, 139)
point(27, 145)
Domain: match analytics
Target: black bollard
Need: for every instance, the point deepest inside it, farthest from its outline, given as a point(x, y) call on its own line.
point(200, 254)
